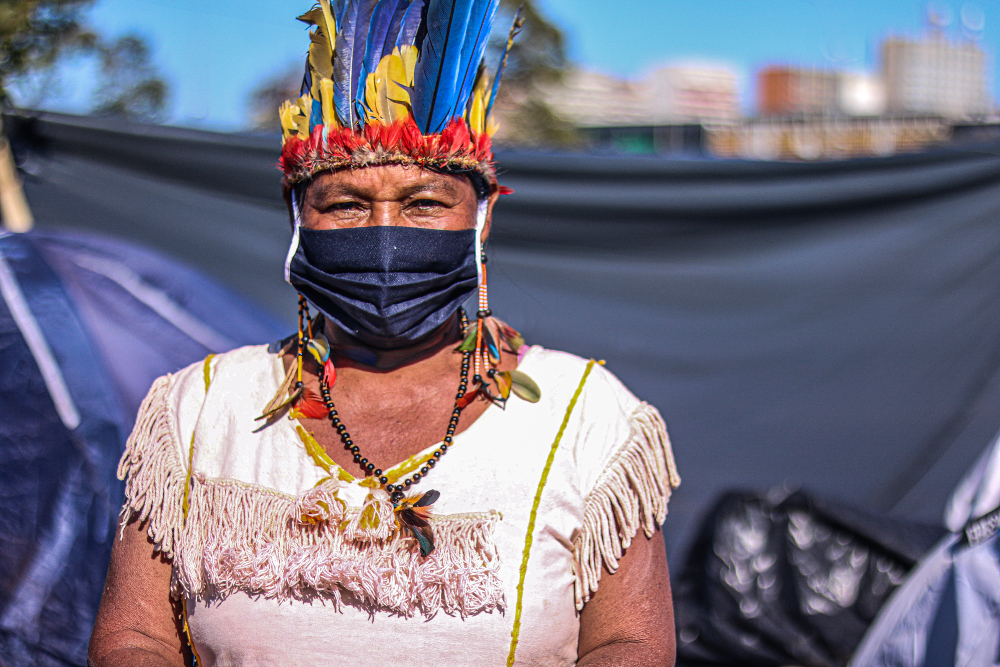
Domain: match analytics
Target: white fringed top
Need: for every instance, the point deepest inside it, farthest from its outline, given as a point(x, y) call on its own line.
point(283, 561)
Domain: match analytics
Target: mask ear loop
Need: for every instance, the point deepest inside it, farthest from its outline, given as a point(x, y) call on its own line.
point(294, 247)
point(484, 306)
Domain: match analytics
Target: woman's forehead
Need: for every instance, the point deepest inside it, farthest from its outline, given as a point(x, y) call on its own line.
point(389, 180)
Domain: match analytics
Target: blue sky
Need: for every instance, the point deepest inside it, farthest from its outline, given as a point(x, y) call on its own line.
point(213, 52)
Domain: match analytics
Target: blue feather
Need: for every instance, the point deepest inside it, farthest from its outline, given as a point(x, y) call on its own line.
point(365, 10)
point(316, 117)
point(436, 77)
point(515, 28)
point(343, 63)
point(480, 25)
point(383, 14)
point(410, 25)
point(385, 27)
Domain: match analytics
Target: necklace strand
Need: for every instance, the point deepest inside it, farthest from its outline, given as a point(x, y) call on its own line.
point(396, 491)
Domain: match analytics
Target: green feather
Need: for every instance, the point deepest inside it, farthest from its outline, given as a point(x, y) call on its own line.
point(524, 387)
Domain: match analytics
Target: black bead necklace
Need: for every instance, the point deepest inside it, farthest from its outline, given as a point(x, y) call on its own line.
point(396, 491)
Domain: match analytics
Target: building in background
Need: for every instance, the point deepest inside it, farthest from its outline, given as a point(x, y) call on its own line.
point(784, 91)
point(935, 76)
point(667, 111)
point(925, 91)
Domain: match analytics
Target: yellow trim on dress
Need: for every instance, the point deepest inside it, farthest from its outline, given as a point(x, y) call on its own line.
point(516, 631)
point(186, 506)
point(320, 457)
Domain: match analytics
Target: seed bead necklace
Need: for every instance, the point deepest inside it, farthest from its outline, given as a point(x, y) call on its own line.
point(396, 491)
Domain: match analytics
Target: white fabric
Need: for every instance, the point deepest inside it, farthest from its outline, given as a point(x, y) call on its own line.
point(947, 612)
point(495, 465)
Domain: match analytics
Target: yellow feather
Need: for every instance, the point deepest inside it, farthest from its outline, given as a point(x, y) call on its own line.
point(300, 115)
point(393, 97)
point(491, 126)
point(409, 54)
point(313, 16)
point(371, 99)
point(329, 112)
point(287, 124)
point(330, 24)
point(320, 61)
point(480, 102)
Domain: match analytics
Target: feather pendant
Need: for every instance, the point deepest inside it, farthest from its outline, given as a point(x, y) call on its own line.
point(343, 64)
point(413, 514)
point(510, 335)
point(468, 397)
point(330, 373)
point(409, 27)
point(524, 387)
point(310, 406)
point(469, 344)
point(429, 498)
point(514, 30)
point(490, 345)
point(480, 26)
point(504, 383)
point(436, 78)
point(281, 400)
point(319, 348)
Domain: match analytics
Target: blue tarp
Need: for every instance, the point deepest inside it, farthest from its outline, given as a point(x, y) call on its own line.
point(86, 324)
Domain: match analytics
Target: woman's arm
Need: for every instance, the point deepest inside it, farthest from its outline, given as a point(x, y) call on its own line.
point(629, 621)
point(138, 623)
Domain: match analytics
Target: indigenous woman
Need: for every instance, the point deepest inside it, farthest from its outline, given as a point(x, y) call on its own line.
point(401, 482)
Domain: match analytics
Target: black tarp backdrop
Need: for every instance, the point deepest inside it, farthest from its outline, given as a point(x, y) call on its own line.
point(832, 326)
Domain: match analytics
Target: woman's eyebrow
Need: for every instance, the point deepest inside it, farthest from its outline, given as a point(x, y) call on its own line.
point(440, 187)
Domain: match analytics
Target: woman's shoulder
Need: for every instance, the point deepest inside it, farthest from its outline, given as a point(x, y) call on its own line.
point(242, 370)
point(598, 391)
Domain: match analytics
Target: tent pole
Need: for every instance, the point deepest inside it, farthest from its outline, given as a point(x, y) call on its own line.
point(14, 207)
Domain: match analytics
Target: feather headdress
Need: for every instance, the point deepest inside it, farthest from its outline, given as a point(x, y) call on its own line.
point(393, 82)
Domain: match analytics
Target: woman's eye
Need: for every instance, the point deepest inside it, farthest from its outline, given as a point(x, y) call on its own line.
point(344, 206)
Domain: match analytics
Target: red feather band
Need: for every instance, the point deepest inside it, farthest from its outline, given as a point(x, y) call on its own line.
point(457, 147)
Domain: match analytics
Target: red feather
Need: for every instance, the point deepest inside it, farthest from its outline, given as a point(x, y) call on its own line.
point(330, 372)
point(467, 398)
point(311, 406)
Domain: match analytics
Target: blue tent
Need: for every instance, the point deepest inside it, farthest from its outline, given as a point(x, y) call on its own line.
point(86, 324)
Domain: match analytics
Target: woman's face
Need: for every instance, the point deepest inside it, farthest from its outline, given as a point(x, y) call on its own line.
point(397, 195)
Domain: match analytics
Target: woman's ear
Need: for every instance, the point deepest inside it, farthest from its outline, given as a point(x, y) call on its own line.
point(491, 200)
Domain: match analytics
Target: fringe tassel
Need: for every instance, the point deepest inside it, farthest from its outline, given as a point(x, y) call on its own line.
point(632, 491)
point(154, 475)
point(245, 537)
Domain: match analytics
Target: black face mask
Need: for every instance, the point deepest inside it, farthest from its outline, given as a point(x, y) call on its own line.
point(390, 287)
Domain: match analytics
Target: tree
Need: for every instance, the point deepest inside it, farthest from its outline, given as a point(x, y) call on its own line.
point(537, 59)
point(35, 34)
point(130, 86)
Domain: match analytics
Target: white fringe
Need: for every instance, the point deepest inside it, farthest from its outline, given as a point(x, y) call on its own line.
point(241, 536)
point(633, 491)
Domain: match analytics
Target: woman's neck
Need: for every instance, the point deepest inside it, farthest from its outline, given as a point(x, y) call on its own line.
point(346, 346)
